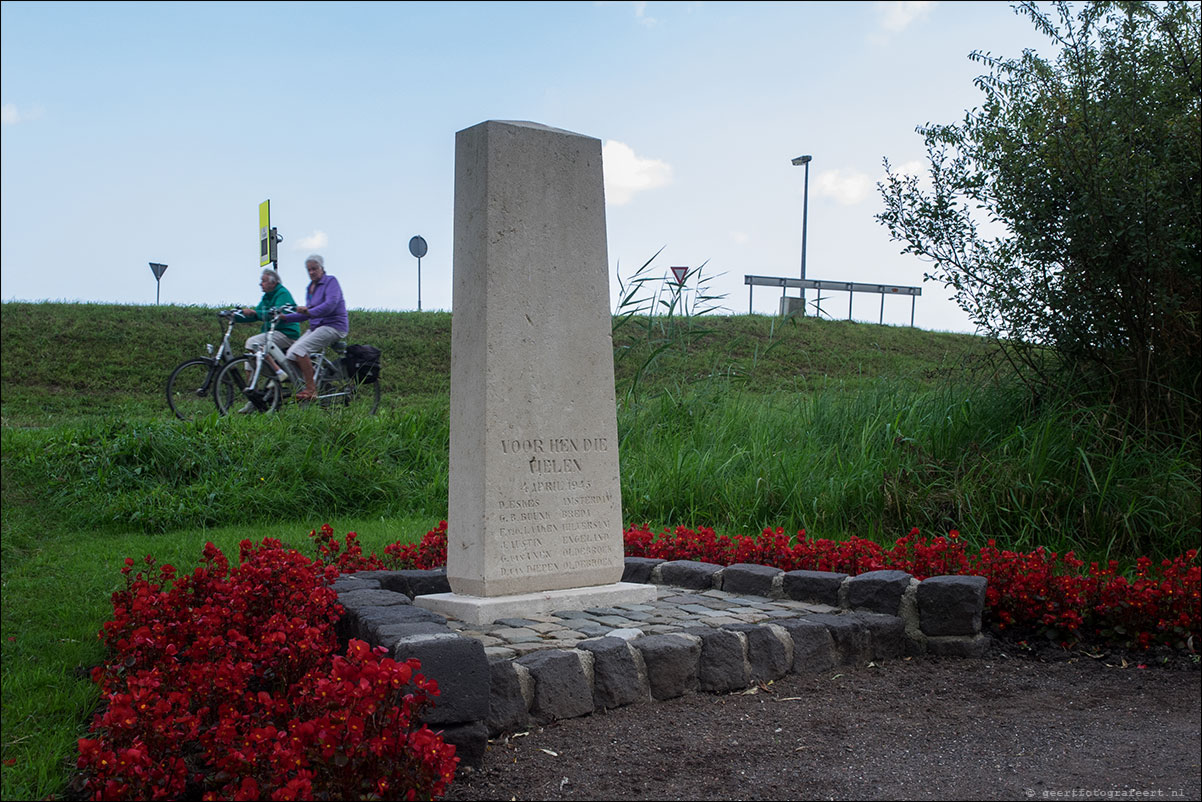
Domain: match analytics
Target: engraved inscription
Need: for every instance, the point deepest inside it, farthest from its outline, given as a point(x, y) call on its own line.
point(553, 523)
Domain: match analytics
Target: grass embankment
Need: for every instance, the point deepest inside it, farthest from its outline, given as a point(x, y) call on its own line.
point(733, 422)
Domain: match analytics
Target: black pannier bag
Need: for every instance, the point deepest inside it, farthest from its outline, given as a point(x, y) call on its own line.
point(362, 362)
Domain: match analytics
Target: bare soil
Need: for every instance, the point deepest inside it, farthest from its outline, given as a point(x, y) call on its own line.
point(1052, 726)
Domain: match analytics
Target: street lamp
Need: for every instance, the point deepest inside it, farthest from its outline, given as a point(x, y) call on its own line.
point(805, 210)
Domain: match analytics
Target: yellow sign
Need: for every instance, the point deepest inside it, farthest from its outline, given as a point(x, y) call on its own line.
point(265, 243)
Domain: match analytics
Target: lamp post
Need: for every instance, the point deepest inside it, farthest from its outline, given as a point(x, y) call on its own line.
point(805, 211)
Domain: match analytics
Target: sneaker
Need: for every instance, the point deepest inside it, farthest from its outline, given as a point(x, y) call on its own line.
point(247, 409)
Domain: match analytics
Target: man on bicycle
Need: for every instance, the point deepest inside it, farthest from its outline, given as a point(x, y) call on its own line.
point(274, 294)
point(325, 310)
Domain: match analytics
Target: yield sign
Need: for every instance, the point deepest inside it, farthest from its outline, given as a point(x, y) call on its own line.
point(680, 273)
point(158, 270)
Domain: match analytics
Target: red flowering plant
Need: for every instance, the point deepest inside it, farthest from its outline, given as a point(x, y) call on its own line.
point(225, 684)
point(1036, 594)
point(431, 552)
point(1032, 594)
point(348, 557)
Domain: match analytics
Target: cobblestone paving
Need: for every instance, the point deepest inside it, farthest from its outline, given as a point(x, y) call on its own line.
point(672, 611)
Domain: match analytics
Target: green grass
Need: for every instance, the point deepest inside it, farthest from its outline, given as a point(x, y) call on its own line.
point(56, 598)
point(734, 422)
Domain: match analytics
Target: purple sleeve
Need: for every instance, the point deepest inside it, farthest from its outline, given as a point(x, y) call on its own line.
point(327, 300)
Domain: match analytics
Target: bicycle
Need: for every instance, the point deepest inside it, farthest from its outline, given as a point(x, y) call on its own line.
point(249, 379)
point(190, 387)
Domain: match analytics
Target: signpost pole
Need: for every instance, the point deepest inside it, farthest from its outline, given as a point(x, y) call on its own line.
point(158, 269)
point(418, 247)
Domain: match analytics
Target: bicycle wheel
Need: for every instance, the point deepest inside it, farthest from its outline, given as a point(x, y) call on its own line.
point(339, 394)
point(233, 394)
point(190, 389)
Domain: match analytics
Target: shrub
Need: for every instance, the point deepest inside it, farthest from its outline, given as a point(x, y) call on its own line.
point(225, 684)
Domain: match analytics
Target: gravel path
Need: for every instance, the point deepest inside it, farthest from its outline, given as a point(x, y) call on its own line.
point(925, 728)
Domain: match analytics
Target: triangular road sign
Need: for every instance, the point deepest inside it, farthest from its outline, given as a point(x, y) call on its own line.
point(680, 273)
point(158, 270)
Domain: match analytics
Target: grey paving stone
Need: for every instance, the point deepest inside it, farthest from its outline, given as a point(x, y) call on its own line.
point(671, 662)
point(888, 634)
point(767, 656)
point(878, 591)
point(638, 569)
point(561, 689)
point(616, 678)
point(517, 635)
point(499, 653)
point(626, 634)
point(813, 586)
point(951, 605)
point(571, 615)
point(813, 647)
point(539, 626)
point(853, 644)
point(371, 597)
point(749, 578)
point(348, 582)
point(636, 615)
point(722, 666)
point(470, 741)
point(590, 628)
point(687, 574)
point(370, 621)
point(507, 708)
point(603, 611)
point(461, 669)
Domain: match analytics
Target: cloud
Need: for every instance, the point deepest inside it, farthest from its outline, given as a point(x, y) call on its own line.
point(640, 14)
point(895, 17)
point(640, 11)
point(846, 188)
point(912, 167)
point(317, 239)
point(627, 174)
point(11, 115)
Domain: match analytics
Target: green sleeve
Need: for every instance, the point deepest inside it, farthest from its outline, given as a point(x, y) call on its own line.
point(283, 297)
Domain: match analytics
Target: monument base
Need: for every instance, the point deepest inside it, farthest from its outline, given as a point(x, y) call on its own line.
point(486, 609)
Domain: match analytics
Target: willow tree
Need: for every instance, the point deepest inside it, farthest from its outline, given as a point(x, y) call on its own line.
point(1065, 212)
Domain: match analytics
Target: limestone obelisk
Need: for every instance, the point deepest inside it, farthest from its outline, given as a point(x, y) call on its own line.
point(535, 507)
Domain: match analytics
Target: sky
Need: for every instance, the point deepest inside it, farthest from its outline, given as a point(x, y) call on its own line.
point(151, 132)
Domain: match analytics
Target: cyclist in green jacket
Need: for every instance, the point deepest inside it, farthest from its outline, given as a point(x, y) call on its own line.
point(274, 294)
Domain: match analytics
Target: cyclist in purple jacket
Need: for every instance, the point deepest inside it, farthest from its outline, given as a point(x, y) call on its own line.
point(325, 310)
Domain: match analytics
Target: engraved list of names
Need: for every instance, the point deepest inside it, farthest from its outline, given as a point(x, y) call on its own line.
point(560, 511)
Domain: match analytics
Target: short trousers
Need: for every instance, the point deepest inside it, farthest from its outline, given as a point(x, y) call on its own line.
point(259, 340)
point(315, 340)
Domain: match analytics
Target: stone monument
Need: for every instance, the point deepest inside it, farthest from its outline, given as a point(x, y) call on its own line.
point(535, 507)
